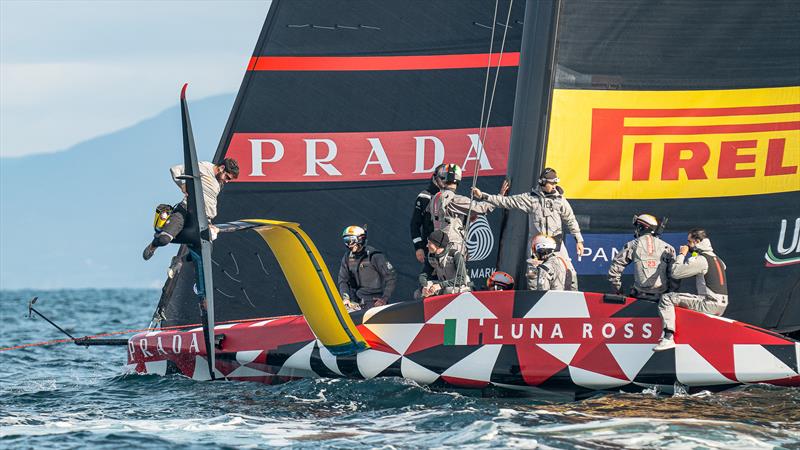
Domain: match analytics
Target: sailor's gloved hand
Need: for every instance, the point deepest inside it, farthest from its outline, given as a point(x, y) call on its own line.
point(213, 231)
point(420, 255)
point(476, 193)
point(505, 186)
point(350, 306)
point(379, 301)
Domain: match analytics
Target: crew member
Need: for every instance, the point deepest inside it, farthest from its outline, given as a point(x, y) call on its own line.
point(712, 284)
point(421, 221)
point(548, 270)
point(651, 257)
point(212, 178)
point(546, 207)
point(366, 277)
point(447, 265)
point(449, 210)
point(500, 281)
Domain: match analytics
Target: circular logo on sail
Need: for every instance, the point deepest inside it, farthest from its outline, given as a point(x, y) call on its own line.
point(480, 240)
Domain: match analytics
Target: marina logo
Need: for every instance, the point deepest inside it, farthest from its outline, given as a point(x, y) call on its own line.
point(676, 144)
point(785, 255)
point(366, 156)
point(480, 240)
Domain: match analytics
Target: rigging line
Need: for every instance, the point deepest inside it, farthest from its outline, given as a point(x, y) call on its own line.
point(482, 129)
point(139, 330)
point(488, 68)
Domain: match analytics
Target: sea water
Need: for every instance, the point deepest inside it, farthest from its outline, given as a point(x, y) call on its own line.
point(65, 396)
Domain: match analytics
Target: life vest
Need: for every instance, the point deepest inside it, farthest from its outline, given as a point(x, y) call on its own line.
point(715, 278)
point(651, 264)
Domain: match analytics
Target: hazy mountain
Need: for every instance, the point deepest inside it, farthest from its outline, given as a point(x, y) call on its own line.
point(81, 217)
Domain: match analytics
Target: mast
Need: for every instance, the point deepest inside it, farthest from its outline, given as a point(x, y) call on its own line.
point(530, 124)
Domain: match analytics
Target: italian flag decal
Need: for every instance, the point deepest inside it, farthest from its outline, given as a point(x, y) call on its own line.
point(455, 332)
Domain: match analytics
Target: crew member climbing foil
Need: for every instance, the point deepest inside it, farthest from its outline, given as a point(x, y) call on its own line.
point(712, 285)
point(366, 277)
point(213, 178)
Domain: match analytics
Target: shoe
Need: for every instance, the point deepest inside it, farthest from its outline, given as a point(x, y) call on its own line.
point(148, 251)
point(664, 344)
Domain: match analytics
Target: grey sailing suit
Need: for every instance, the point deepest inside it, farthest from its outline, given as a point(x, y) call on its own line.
point(449, 213)
point(546, 212)
point(652, 259)
point(449, 270)
point(551, 274)
point(366, 276)
point(712, 285)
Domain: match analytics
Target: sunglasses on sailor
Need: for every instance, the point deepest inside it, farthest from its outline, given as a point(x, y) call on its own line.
point(350, 240)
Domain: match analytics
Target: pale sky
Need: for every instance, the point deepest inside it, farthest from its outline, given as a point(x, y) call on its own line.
point(72, 70)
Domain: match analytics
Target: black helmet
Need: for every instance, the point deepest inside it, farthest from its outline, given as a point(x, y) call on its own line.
point(644, 223)
point(500, 281)
point(548, 175)
point(452, 174)
point(439, 238)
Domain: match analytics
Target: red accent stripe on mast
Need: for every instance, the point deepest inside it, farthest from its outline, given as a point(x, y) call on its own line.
point(359, 63)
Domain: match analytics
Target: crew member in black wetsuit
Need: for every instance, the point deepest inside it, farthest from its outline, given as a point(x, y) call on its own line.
point(421, 220)
point(366, 277)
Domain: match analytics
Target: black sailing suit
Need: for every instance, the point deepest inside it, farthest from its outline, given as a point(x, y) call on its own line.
point(421, 220)
point(366, 276)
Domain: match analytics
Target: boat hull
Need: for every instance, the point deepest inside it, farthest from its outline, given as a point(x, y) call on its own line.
point(523, 340)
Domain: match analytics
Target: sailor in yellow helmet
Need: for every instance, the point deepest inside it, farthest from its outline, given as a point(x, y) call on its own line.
point(366, 277)
point(651, 258)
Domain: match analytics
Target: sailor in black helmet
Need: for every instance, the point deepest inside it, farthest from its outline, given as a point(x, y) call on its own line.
point(547, 209)
point(651, 258)
point(366, 277)
point(449, 210)
point(712, 284)
point(446, 270)
point(212, 177)
point(421, 221)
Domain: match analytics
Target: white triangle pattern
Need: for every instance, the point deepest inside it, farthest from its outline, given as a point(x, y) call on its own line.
point(372, 311)
point(465, 306)
point(631, 357)
point(299, 364)
point(201, 370)
point(478, 365)
point(399, 336)
point(156, 367)
point(328, 359)
point(247, 356)
point(593, 380)
point(692, 369)
point(372, 362)
point(560, 304)
point(754, 364)
point(422, 375)
point(562, 352)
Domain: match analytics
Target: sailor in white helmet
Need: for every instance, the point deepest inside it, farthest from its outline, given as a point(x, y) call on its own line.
point(548, 270)
point(546, 207)
point(712, 284)
point(449, 210)
point(651, 258)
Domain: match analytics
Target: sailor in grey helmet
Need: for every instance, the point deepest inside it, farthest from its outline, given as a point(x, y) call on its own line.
point(546, 208)
point(651, 258)
point(421, 220)
point(548, 270)
point(449, 210)
point(712, 284)
point(447, 264)
point(366, 277)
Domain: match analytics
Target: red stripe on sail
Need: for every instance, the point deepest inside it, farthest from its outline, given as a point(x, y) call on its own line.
point(359, 63)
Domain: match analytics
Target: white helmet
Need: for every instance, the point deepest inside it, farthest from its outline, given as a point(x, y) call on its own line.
point(645, 223)
point(543, 245)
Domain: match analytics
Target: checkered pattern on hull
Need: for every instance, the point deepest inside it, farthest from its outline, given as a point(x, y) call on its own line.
point(564, 341)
